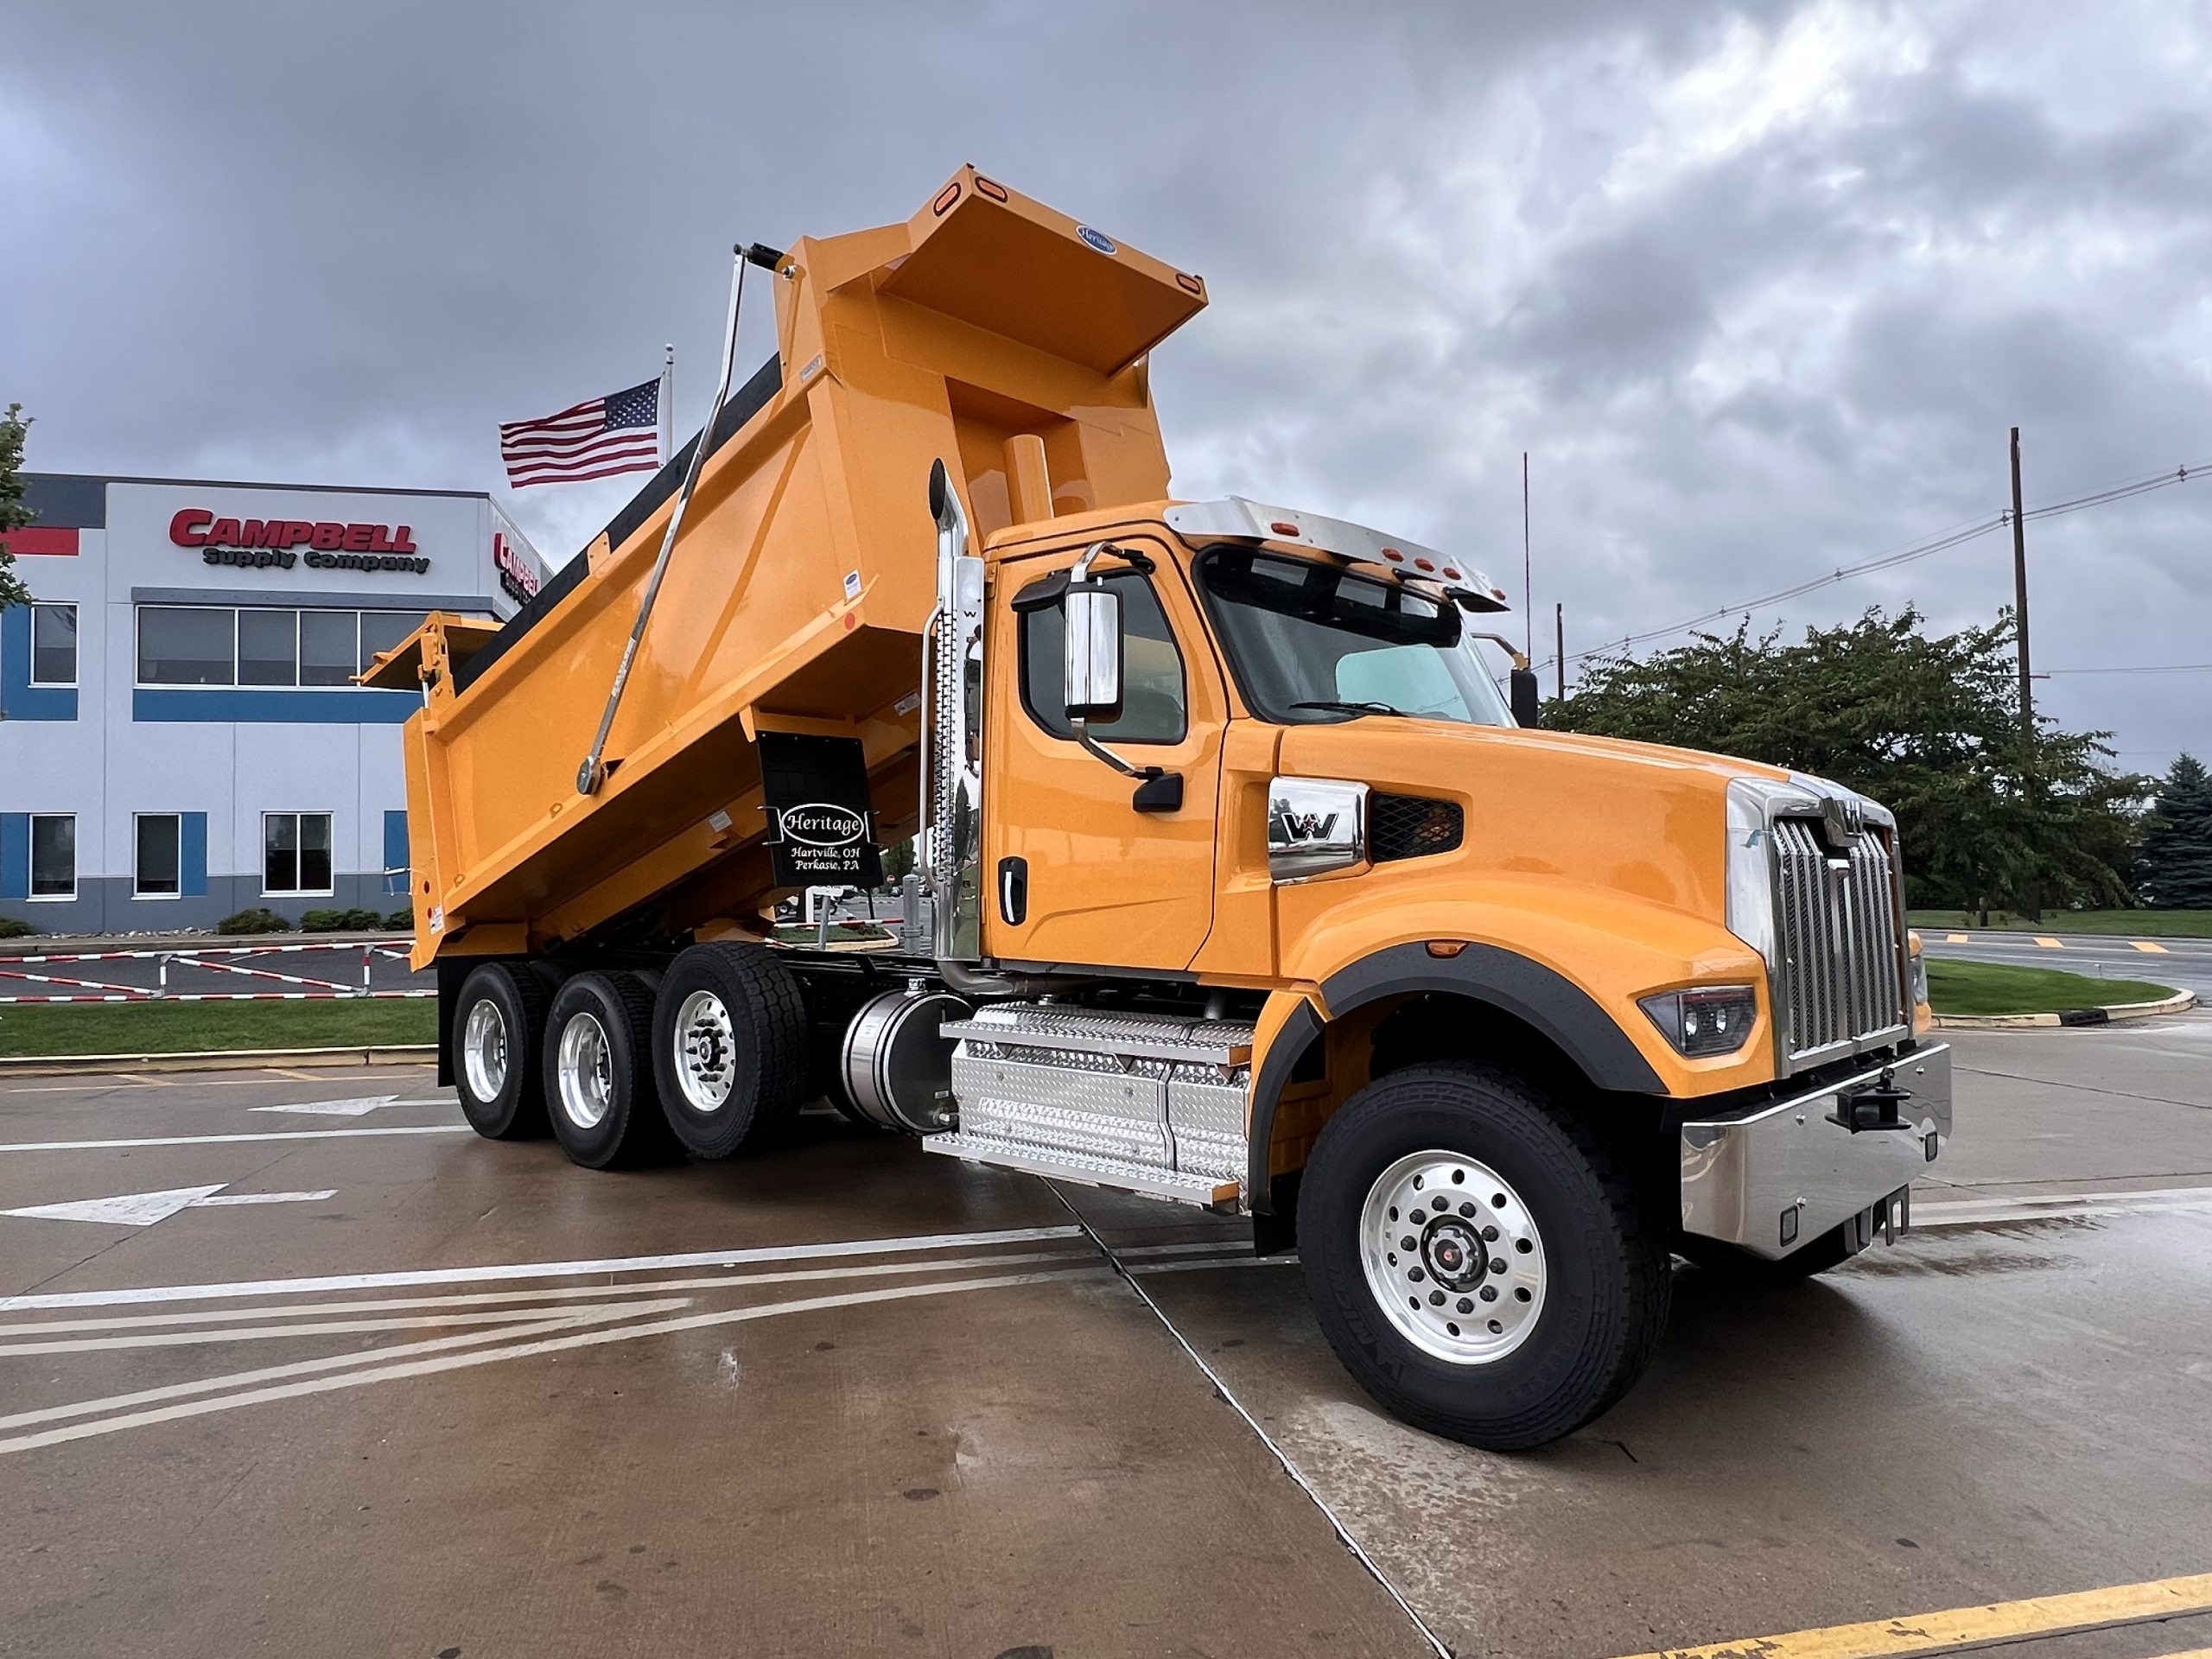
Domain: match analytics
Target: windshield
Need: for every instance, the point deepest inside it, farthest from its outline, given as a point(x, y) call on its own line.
point(1310, 642)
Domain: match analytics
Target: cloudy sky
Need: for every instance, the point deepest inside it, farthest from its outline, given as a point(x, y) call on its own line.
point(1759, 287)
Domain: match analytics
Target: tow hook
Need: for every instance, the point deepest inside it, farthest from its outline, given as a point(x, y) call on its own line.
point(1873, 1107)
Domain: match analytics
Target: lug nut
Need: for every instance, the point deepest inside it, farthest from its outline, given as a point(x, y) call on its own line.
point(1488, 1293)
point(1414, 1275)
point(1407, 1242)
point(1436, 1298)
point(1490, 1233)
point(1468, 1208)
point(1497, 1265)
point(1466, 1306)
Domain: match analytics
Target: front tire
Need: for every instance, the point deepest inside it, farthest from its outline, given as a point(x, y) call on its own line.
point(1481, 1264)
point(599, 1083)
point(498, 1033)
point(730, 1047)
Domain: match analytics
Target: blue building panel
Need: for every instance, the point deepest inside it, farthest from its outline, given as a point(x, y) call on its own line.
point(226, 705)
point(192, 855)
point(15, 854)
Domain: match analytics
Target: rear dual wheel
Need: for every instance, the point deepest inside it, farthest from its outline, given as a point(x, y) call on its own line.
point(729, 1048)
point(599, 1081)
point(498, 1031)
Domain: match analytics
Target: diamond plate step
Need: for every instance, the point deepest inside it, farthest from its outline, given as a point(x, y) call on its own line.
point(1091, 1171)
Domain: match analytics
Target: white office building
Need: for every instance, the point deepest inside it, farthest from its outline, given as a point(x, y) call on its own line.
point(180, 736)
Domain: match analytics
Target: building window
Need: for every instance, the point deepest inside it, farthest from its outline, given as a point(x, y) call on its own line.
point(54, 856)
point(187, 645)
point(330, 647)
point(295, 855)
point(53, 645)
point(268, 647)
point(160, 867)
point(206, 645)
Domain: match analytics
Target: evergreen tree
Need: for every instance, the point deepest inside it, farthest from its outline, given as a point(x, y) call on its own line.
point(2176, 870)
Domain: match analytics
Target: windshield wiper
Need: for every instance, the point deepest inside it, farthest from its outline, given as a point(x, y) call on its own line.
point(1336, 706)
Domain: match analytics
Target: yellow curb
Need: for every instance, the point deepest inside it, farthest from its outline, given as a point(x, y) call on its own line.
point(2177, 1003)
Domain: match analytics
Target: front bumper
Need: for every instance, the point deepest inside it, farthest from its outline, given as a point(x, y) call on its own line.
point(1779, 1174)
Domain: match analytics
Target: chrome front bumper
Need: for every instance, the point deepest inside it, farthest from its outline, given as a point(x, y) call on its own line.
point(1778, 1176)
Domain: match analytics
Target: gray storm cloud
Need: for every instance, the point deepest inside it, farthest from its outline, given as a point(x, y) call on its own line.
point(1759, 288)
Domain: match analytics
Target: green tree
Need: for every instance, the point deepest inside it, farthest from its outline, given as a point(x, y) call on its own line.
point(2176, 868)
point(13, 513)
point(1927, 725)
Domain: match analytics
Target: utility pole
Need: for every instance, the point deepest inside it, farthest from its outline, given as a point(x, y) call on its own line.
point(1559, 631)
point(2034, 897)
point(1528, 578)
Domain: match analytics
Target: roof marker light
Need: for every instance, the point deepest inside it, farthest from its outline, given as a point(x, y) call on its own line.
point(1450, 572)
point(1189, 284)
point(1283, 527)
point(945, 198)
point(990, 187)
point(1424, 564)
point(1394, 555)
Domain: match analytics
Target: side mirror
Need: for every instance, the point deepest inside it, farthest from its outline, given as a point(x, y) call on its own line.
point(1091, 652)
point(1527, 700)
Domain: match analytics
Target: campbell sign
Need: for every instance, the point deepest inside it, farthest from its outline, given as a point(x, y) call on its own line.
point(516, 575)
point(280, 543)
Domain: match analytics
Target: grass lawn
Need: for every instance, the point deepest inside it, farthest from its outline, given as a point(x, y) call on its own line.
point(2135, 923)
point(199, 1027)
point(1994, 988)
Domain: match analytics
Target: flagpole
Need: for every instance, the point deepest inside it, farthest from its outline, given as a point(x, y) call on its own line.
point(667, 402)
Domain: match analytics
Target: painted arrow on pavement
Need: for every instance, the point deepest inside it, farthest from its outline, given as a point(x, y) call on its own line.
point(145, 1209)
point(360, 1107)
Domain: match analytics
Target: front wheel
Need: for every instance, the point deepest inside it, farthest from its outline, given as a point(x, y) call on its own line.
point(1482, 1263)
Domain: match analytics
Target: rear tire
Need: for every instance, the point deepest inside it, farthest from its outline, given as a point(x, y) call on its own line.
point(498, 1038)
point(599, 1086)
point(1530, 1206)
point(730, 1048)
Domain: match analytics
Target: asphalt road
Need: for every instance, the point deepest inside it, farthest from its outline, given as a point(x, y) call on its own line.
point(2185, 965)
point(291, 1363)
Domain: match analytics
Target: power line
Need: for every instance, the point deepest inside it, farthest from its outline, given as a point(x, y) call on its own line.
point(2139, 668)
point(1957, 536)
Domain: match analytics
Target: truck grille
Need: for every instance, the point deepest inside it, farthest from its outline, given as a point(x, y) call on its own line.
point(1836, 925)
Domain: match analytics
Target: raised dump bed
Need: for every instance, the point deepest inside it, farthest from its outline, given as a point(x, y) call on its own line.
point(989, 331)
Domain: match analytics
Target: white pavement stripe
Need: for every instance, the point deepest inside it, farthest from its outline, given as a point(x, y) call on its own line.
point(1224, 1261)
point(1197, 1247)
point(2025, 1200)
point(311, 1328)
point(233, 1140)
point(563, 1292)
point(564, 1320)
point(1922, 1221)
point(380, 1373)
point(520, 1270)
point(359, 1108)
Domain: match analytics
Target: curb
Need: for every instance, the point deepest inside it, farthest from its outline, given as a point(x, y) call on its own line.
point(2174, 1004)
point(214, 1060)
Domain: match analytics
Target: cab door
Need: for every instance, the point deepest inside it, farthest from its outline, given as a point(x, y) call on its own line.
point(1081, 867)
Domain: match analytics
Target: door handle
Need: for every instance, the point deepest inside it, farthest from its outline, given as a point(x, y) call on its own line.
point(1013, 891)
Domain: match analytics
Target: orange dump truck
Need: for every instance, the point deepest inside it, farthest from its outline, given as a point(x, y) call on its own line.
point(1249, 891)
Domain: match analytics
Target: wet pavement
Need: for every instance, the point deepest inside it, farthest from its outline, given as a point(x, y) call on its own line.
point(294, 1363)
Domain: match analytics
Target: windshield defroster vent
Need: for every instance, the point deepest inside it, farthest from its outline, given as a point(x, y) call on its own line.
point(1412, 826)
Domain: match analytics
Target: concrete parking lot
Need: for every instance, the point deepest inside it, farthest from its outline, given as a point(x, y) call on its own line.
point(291, 1363)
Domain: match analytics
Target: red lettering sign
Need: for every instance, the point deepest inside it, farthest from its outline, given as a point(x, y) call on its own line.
point(199, 528)
point(189, 527)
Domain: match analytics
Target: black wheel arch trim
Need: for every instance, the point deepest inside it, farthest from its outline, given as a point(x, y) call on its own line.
point(1547, 1001)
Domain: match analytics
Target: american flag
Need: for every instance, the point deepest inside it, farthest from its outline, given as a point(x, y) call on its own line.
point(598, 438)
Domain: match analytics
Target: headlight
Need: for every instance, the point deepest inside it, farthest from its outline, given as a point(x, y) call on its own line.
point(1750, 875)
point(1711, 1020)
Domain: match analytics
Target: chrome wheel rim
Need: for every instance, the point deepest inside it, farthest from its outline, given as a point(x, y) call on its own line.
point(1452, 1257)
point(484, 1050)
point(585, 1072)
point(705, 1052)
